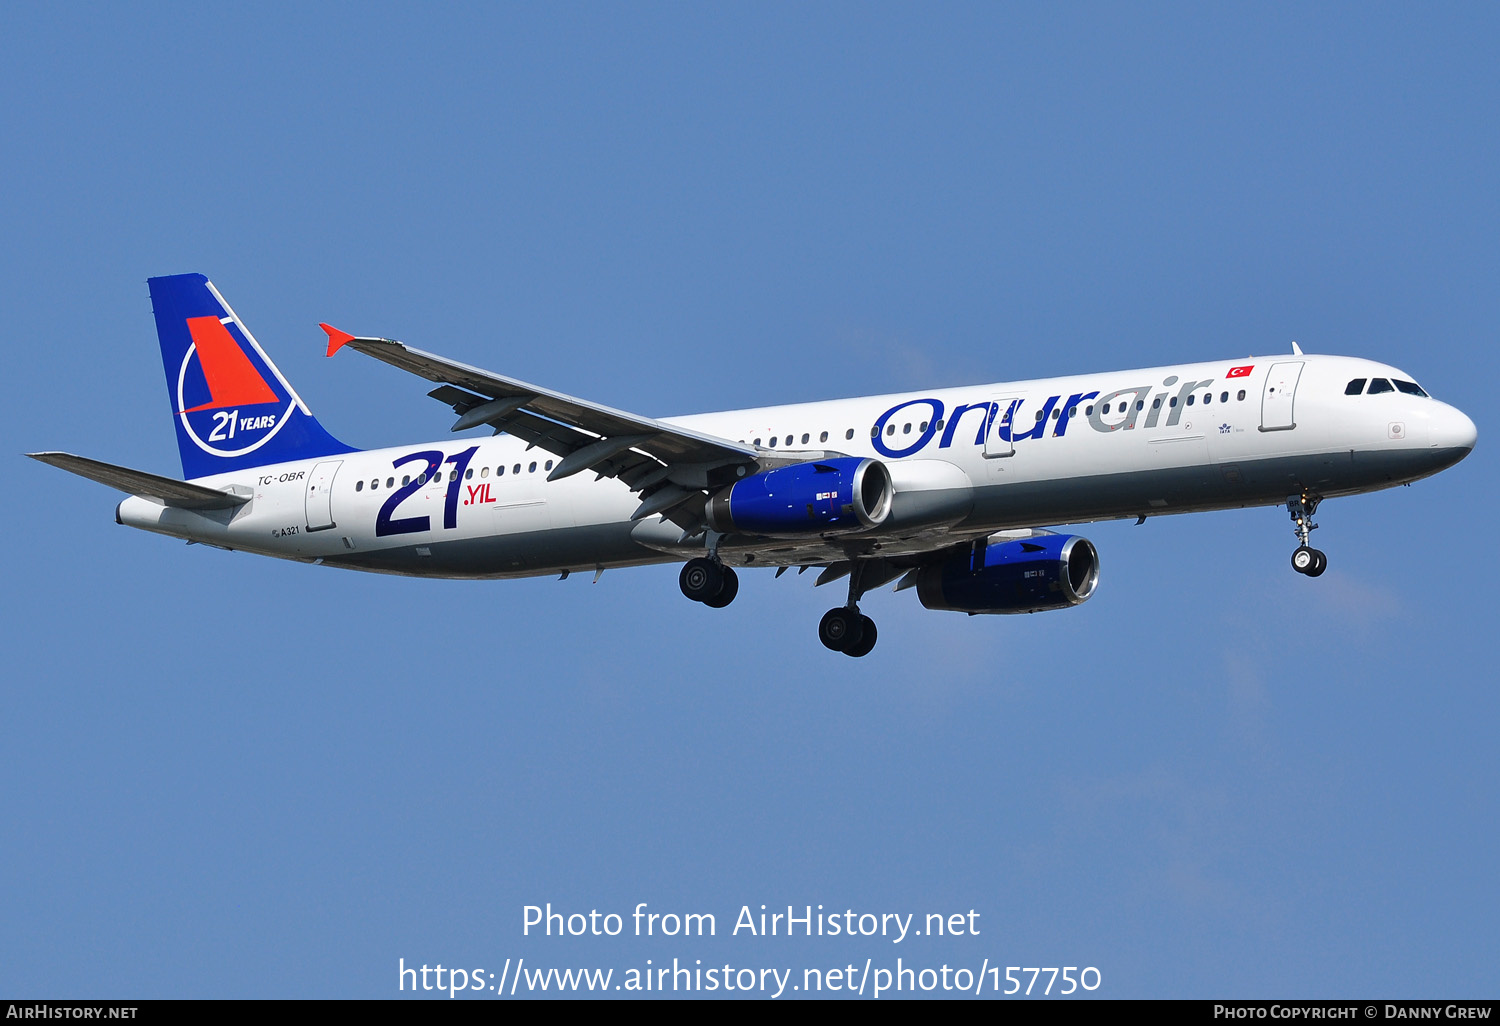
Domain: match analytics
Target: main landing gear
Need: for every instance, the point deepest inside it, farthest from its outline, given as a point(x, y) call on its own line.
point(709, 581)
point(846, 629)
point(1306, 560)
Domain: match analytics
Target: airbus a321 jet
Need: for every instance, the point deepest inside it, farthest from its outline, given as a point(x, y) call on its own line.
point(947, 491)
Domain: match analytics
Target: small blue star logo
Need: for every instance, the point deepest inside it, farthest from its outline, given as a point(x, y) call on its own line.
point(1223, 429)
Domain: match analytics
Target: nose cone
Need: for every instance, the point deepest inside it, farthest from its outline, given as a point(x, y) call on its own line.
point(1452, 429)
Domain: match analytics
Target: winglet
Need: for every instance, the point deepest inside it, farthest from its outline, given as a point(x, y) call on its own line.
point(336, 338)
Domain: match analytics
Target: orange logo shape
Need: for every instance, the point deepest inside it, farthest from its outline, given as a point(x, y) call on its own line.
point(232, 378)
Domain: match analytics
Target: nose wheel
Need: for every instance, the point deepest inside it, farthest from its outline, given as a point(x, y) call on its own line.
point(1307, 560)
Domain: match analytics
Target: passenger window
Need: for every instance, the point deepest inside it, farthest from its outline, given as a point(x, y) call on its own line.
point(1056, 414)
point(406, 479)
point(1379, 385)
point(1156, 403)
point(939, 425)
point(848, 434)
point(1106, 408)
point(359, 486)
point(923, 427)
point(1223, 397)
point(500, 470)
point(484, 471)
point(1089, 412)
point(1038, 414)
point(757, 443)
point(532, 468)
point(772, 443)
point(890, 429)
point(788, 439)
point(1241, 396)
point(1140, 404)
point(823, 437)
point(549, 465)
point(1355, 387)
point(1206, 399)
point(516, 469)
point(906, 429)
point(468, 473)
point(1411, 388)
point(805, 437)
point(374, 484)
point(1190, 400)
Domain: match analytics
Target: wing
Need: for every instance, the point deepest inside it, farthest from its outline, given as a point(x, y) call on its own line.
point(164, 490)
point(670, 466)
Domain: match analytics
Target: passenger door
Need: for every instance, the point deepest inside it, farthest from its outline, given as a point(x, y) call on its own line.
point(1279, 395)
point(999, 438)
point(320, 495)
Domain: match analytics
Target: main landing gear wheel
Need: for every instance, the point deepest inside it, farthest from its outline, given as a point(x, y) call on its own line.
point(729, 587)
point(840, 628)
point(848, 631)
point(866, 639)
point(713, 584)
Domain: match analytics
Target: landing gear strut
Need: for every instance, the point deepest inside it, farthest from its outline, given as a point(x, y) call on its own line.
point(708, 581)
point(845, 629)
point(1306, 560)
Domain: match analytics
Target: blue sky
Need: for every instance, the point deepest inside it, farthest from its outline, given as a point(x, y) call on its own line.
point(236, 777)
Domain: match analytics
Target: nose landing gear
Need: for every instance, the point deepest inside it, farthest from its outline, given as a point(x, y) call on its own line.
point(1306, 560)
point(1311, 562)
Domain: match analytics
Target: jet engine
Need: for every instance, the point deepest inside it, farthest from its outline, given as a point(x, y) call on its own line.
point(1018, 575)
point(836, 496)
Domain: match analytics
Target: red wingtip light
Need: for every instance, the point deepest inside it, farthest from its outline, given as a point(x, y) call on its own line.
point(336, 338)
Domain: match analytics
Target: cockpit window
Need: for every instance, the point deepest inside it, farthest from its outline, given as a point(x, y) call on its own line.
point(1379, 385)
point(1411, 388)
point(1355, 387)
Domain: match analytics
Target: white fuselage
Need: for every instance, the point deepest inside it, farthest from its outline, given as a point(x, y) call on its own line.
point(1172, 440)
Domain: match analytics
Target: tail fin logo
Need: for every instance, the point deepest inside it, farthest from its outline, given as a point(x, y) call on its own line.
point(232, 408)
point(228, 405)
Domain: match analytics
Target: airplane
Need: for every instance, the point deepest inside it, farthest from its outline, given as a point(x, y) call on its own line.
point(952, 491)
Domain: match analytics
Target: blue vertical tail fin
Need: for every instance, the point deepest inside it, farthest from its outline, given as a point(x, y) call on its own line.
point(233, 409)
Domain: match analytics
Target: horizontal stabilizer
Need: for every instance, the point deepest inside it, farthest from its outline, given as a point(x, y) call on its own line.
point(164, 490)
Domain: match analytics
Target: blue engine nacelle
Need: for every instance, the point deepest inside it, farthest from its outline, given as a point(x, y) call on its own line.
point(836, 496)
point(1026, 575)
